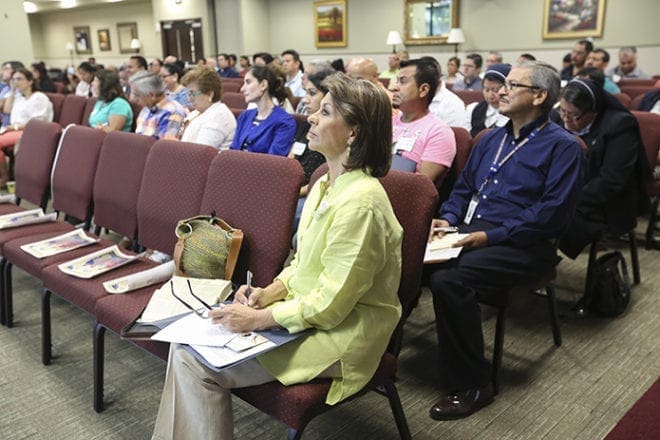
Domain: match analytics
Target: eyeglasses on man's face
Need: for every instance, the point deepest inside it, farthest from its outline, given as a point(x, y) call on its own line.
point(511, 85)
point(201, 312)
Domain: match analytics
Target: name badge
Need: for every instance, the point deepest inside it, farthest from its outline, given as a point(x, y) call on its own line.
point(298, 148)
point(472, 206)
point(405, 143)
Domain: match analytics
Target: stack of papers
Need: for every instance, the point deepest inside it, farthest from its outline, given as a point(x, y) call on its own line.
point(440, 248)
point(23, 218)
point(60, 244)
point(8, 198)
point(97, 263)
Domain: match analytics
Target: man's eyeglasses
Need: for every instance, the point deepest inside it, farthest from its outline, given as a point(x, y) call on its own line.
point(202, 313)
point(510, 85)
point(569, 116)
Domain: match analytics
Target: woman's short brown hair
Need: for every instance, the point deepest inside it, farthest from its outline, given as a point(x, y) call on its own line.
point(367, 109)
point(207, 81)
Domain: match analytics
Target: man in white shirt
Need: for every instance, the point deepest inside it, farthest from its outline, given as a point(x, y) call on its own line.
point(446, 105)
point(293, 68)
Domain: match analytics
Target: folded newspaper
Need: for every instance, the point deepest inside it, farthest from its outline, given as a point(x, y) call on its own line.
point(138, 280)
point(441, 248)
point(8, 198)
point(56, 245)
point(97, 263)
point(23, 218)
point(164, 305)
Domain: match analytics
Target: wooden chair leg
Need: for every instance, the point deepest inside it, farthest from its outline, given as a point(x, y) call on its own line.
point(634, 257)
point(46, 348)
point(397, 410)
point(8, 293)
point(498, 348)
point(554, 318)
point(99, 345)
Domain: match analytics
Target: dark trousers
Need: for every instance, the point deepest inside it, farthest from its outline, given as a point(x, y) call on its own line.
point(456, 287)
point(580, 233)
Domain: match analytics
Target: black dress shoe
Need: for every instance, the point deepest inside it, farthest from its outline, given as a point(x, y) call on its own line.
point(458, 405)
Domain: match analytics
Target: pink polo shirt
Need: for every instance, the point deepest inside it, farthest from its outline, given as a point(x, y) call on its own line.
point(433, 140)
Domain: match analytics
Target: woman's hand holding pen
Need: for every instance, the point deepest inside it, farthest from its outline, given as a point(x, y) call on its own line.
point(258, 298)
point(241, 318)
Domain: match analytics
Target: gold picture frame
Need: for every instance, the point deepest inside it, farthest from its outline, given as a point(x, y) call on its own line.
point(125, 33)
point(330, 17)
point(83, 43)
point(567, 20)
point(103, 36)
point(429, 22)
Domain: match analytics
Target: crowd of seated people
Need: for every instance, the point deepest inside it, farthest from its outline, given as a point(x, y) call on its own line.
point(527, 185)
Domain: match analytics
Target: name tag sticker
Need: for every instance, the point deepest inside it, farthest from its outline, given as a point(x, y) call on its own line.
point(405, 143)
point(298, 148)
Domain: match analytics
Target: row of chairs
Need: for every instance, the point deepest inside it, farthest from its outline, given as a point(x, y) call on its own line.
point(116, 181)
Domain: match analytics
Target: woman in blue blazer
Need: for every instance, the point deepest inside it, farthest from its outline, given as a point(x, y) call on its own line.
point(266, 128)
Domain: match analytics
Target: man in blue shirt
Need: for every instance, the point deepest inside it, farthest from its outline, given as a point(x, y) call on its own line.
point(514, 198)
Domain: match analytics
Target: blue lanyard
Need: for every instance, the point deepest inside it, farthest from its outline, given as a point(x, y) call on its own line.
point(495, 166)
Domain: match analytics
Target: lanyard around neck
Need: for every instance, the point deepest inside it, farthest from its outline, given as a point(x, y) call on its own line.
point(496, 166)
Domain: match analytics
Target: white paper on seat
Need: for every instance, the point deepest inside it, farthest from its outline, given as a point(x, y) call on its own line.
point(57, 245)
point(30, 217)
point(138, 280)
point(8, 198)
point(96, 263)
point(163, 304)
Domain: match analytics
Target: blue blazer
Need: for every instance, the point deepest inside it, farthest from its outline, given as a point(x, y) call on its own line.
point(274, 135)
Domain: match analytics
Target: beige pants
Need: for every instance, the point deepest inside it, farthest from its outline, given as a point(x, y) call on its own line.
point(196, 401)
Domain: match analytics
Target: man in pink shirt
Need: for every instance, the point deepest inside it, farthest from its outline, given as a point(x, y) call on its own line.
point(417, 134)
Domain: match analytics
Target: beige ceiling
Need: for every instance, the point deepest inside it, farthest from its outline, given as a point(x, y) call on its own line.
point(54, 5)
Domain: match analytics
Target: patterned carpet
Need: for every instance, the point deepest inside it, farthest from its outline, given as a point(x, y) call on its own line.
point(578, 391)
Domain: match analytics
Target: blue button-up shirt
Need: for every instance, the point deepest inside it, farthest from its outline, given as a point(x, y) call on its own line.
point(532, 197)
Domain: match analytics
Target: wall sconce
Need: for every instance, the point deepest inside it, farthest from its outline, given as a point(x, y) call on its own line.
point(69, 47)
point(394, 38)
point(456, 37)
point(135, 44)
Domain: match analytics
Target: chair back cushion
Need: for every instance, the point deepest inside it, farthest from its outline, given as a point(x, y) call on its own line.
point(171, 189)
point(257, 193)
point(58, 100)
point(72, 110)
point(89, 106)
point(470, 96)
point(34, 163)
point(623, 99)
point(463, 148)
point(118, 179)
point(234, 100)
point(74, 170)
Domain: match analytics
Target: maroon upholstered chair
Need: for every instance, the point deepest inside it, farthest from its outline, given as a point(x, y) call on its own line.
point(32, 169)
point(73, 176)
point(240, 187)
point(470, 96)
point(165, 197)
point(171, 188)
point(414, 200)
point(649, 126)
point(234, 100)
point(58, 101)
point(633, 91)
point(464, 144)
point(634, 104)
point(624, 99)
point(231, 86)
point(636, 82)
point(116, 184)
point(236, 111)
point(72, 110)
point(89, 107)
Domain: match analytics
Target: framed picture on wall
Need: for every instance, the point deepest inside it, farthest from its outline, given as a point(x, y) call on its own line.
point(83, 42)
point(562, 19)
point(330, 23)
point(126, 32)
point(104, 39)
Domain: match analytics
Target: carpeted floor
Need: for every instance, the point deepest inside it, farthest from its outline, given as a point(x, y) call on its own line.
point(577, 391)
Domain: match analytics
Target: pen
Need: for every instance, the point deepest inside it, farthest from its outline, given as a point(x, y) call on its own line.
point(249, 283)
point(446, 229)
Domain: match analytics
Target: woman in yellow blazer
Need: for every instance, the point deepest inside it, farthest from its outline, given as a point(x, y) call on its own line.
point(342, 282)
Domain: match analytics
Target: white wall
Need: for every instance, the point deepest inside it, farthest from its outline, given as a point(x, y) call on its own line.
point(15, 39)
point(52, 30)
